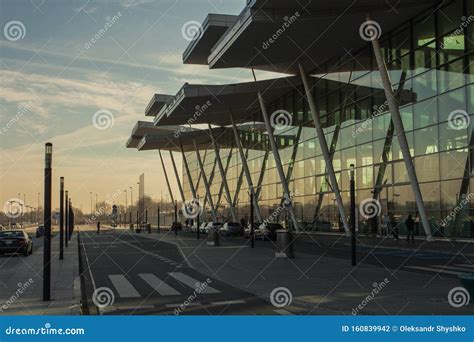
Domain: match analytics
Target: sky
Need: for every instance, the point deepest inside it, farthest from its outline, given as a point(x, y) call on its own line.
point(54, 77)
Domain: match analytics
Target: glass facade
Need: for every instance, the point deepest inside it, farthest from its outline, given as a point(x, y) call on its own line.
point(431, 64)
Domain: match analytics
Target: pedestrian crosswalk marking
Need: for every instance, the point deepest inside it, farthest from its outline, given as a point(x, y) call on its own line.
point(193, 283)
point(435, 270)
point(123, 286)
point(158, 285)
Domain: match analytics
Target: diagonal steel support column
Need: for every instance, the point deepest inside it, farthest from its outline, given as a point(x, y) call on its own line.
point(221, 188)
point(166, 177)
point(262, 173)
point(239, 182)
point(224, 180)
point(324, 148)
point(177, 177)
point(199, 176)
point(400, 133)
point(190, 178)
point(206, 184)
point(245, 167)
point(211, 178)
point(276, 156)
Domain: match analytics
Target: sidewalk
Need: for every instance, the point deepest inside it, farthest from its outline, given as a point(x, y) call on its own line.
point(319, 284)
point(465, 246)
point(21, 282)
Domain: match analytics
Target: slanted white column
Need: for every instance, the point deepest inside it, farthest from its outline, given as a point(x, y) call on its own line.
point(245, 168)
point(400, 133)
point(276, 155)
point(166, 177)
point(324, 148)
point(190, 179)
point(223, 176)
point(177, 177)
point(206, 183)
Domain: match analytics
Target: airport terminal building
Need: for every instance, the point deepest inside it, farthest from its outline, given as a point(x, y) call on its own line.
point(385, 87)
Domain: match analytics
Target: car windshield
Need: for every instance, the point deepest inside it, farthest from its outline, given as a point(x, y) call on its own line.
point(11, 234)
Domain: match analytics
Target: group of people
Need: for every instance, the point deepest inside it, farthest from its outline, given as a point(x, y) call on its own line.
point(410, 223)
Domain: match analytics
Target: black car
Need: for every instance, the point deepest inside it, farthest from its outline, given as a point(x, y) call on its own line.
point(15, 241)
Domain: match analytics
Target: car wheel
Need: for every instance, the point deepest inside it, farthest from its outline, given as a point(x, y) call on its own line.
point(26, 252)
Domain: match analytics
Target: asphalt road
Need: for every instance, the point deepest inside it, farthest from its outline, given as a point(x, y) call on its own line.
point(140, 276)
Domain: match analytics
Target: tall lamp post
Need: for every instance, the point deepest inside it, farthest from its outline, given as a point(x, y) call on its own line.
point(61, 218)
point(47, 223)
point(353, 216)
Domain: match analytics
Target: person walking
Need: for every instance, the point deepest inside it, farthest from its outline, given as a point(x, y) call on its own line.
point(98, 227)
point(410, 224)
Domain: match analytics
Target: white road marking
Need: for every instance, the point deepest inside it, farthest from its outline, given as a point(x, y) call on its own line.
point(466, 265)
point(229, 302)
point(158, 285)
point(182, 304)
point(123, 286)
point(435, 270)
point(192, 283)
point(463, 269)
point(283, 312)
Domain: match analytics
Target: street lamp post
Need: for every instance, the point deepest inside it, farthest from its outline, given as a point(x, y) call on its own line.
point(47, 223)
point(90, 193)
point(176, 218)
point(61, 218)
point(252, 237)
point(66, 217)
point(353, 216)
point(126, 207)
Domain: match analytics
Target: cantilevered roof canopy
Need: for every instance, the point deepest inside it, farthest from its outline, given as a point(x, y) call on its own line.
point(142, 128)
point(197, 104)
point(213, 27)
point(211, 104)
point(223, 135)
point(156, 103)
point(275, 34)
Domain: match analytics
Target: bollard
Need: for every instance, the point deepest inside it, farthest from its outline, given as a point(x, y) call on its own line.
point(284, 244)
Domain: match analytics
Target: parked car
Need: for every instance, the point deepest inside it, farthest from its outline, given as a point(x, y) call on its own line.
point(40, 231)
point(267, 231)
point(248, 230)
point(232, 229)
point(15, 241)
point(212, 225)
